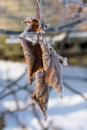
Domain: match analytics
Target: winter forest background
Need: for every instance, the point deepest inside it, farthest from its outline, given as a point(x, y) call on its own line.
point(67, 33)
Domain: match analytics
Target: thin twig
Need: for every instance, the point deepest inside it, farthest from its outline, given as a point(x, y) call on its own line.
point(75, 91)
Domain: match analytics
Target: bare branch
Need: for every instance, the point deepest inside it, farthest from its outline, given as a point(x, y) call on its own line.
point(75, 91)
point(75, 2)
point(49, 30)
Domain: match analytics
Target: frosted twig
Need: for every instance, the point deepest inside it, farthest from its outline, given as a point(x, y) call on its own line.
point(39, 2)
point(70, 24)
point(66, 2)
point(39, 14)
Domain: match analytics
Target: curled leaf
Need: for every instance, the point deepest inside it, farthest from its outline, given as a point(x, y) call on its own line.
point(45, 64)
point(33, 56)
point(40, 95)
point(52, 68)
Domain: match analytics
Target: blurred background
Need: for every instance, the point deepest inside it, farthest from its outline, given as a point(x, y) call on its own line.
point(67, 33)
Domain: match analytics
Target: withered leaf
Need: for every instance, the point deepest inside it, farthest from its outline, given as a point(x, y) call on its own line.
point(40, 95)
point(52, 68)
point(45, 64)
point(33, 56)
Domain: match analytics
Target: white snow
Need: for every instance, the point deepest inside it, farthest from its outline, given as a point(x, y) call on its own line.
point(69, 113)
point(11, 70)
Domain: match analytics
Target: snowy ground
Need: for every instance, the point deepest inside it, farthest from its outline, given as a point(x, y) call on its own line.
point(69, 113)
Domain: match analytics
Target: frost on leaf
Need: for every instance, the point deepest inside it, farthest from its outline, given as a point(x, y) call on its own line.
point(40, 95)
point(52, 68)
point(43, 63)
point(32, 54)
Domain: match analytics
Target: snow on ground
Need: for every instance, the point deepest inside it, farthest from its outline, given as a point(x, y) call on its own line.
point(69, 113)
point(11, 70)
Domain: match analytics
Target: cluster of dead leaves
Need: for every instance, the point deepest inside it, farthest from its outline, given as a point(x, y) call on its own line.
point(43, 65)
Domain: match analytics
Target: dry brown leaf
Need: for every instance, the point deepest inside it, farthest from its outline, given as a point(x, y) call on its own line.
point(45, 64)
point(40, 95)
point(52, 68)
point(42, 61)
point(33, 56)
